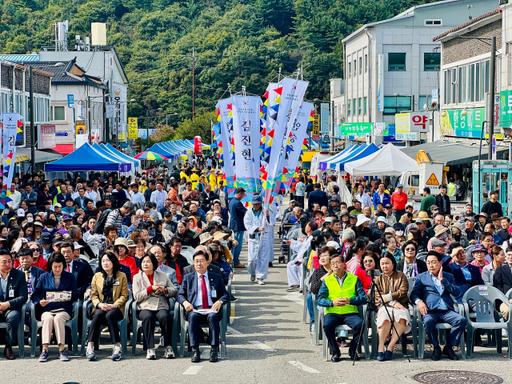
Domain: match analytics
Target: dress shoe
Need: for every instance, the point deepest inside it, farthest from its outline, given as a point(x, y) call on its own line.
point(9, 355)
point(196, 358)
point(293, 288)
point(448, 351)
point(239, 265)
point(214, 355)
point(380, 356)
point(335, 358)
point(388, 355)
point(436, 355)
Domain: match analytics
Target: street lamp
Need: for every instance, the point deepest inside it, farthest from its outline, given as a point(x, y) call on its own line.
point(492, 74)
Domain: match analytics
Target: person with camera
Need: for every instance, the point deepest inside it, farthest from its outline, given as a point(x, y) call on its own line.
point(431, 293)
point(340, 294)
point(393, 305)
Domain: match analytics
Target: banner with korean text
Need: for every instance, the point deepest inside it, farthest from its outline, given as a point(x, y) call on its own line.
point(225, 151)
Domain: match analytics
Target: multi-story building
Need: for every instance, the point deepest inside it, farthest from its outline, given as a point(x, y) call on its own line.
point(393, 65)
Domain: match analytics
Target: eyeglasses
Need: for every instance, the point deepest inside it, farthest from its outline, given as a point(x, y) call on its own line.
point(410, 249)
point(368, 261)
point(35, 249)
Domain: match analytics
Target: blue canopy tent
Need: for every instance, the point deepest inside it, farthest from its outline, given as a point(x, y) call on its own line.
point(357, 149)
point(85, 159)
point(112, 156)
point(372, 148)
point(111, 149)
point(325, 164)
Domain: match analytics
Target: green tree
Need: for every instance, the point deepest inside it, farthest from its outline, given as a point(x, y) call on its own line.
point(201, 125)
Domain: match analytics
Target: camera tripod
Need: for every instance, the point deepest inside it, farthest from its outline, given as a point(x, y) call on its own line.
point(370, 298)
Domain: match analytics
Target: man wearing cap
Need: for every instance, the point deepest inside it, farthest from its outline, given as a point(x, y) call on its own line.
point(390, 218)
point(493, 205)
point(399, 201)
point(468, 212)
point(259, 224)
point(465, 274)
point(116, 216)
point(69, 209)
point(236, 224)
point(471, 233)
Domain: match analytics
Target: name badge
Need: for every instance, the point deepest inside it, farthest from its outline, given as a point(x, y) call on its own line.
point(117, 283)
point(11, 292)
point(214, 293)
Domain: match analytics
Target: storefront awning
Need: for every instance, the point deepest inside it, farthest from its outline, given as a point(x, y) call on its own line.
point(451, 153)
point(41, 156)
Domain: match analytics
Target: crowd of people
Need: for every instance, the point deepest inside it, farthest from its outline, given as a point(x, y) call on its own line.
point(160, 236)
point(336, 246)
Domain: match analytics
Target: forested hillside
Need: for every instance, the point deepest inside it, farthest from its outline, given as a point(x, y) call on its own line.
point(241, 42)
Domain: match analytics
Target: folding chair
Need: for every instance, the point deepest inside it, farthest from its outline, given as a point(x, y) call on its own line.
point(21, 334)
point(137, 327)
point(123, 324)
point(72, 324)
point(484, 298)
point(184, 331)
point(362, 313)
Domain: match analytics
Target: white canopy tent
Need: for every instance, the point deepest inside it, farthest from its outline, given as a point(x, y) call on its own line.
point(389, 161)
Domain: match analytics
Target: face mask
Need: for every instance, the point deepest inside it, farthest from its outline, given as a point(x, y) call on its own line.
point(30, 219)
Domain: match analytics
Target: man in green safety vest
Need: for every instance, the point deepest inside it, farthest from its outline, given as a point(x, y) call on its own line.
point(341, 293)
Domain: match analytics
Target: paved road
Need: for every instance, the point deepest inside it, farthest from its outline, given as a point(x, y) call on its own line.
point(268, 343)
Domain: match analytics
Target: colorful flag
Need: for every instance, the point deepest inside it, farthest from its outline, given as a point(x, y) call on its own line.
point(224, 150)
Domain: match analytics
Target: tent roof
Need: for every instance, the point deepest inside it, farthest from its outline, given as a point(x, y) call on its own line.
point(372, 148)
point(103, 151)
point(389, 161)
point(325, 163)
point(357, 150)
point(85, 158)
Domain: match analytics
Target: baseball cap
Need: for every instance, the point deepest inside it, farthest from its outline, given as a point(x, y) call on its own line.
point(400, 186)
point(59, 205)
point(469, 218)
point(438, 243)
point(381, 220)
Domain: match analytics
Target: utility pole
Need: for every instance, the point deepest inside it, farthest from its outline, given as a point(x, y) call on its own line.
point(193, 82)
point(32, 130)
point(490, 117)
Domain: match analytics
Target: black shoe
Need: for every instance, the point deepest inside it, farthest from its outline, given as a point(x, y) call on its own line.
point(436, 355)
point(214, 355)
point(233, 298)
point(354, 356)
point(197, 356)
point(271, 265)
point(448, 351)
point(335, 358)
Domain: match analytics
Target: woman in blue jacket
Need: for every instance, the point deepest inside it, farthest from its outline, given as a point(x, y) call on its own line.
point(54, 296)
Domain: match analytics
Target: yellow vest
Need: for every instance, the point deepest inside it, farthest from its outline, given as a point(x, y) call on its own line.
point(183, 175)
point(194, 178)
point(336, 292)
point(213, 181)
point(451, 189)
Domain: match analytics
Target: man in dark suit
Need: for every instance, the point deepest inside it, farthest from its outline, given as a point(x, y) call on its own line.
point(318, 196)
point(82, 272)
point(443, 201)
point(503, 280)
point(80, 200)
point(236, 224)
point(32, 275)
point(465, 274)
point(13, 294)
point(431, 293)
point(203, 291)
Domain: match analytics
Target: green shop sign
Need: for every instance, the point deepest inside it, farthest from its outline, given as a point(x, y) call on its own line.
point(505, 108)
point(455, 123)
point(356, 129)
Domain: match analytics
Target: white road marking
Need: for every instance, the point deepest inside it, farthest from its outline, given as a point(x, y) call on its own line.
point(296, 297)
point(303, 367)
point(193, 370)
point(262, 346)
point(232, 331)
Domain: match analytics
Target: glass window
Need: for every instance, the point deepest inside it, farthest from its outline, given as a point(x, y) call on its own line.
point(453, 85)
point(487, 84)
point(446, 96)
point(355, 68)
point(471, 83)
point(365, 102)
point(477, 82)
point(360, 65)
point(464, 85)
point(431, 61)
point(365, 63)
point(396, 104)
point(59, 113)
point(424, 102)
point(396, 62)
point(354, 106)
point(348, 108)
point(359, 106)
point(349, 69)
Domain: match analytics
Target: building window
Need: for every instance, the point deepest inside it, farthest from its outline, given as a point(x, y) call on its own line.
point(453, 85)
point(359, 106)
point(355, 68)
point(396, 104)
point(365, 63)
point(431, 61)
point(432, 22)
point(447, 83)
point(348, 107)
point(396, 62)
point(354, 107)
point(365, 104)
point(349, 69)
point(360, 65)
point(59, 114)
point(424, 102)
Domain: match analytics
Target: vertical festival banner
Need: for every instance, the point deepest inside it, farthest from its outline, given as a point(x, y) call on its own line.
point(10, 134)
point(269, 111)
point(291, 93)
point(246, 137)
point(224, 149)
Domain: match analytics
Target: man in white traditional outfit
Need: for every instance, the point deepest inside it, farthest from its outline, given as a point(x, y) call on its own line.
point(259, 224)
